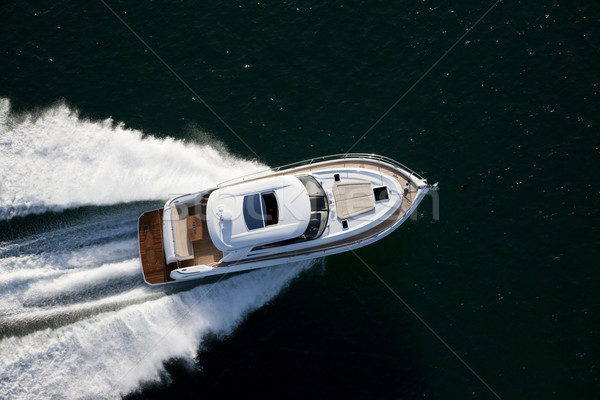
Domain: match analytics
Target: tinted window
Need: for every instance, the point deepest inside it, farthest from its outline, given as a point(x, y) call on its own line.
point(252, 211)
point(270, 208)
point(260, 210)
point(319, 207)
point(318, 204)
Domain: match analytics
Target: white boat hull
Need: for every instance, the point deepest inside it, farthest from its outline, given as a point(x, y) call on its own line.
point(355, 200)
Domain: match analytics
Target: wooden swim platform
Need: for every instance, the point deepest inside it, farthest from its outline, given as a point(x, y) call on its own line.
point(154, 265)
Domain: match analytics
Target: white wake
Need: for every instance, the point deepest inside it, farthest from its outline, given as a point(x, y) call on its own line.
point(108, 355)
point(76, 321)
point(53, 159)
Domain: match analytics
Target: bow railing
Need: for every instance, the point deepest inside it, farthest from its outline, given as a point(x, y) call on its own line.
point(321, 159)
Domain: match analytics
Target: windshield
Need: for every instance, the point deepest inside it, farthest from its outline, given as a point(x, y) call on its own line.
point(319, 207)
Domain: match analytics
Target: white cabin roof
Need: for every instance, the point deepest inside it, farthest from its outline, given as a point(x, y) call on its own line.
point(228, 223)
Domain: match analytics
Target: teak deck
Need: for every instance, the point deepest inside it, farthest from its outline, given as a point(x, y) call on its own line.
point(205, 252)
point(154, 265)
point(156, 270)
point(152, 253)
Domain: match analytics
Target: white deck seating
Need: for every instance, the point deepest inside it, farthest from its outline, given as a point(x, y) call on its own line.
point(184, 250)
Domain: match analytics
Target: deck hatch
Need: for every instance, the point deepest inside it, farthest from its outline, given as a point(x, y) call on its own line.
point(381, 193)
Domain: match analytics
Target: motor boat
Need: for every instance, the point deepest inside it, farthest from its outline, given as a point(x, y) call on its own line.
point(313, 208)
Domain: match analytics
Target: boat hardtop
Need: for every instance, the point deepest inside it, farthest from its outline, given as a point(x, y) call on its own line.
point(305, 210)
point(238, 215)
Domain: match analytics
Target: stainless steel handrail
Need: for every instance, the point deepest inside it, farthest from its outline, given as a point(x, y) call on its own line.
point(331, 157)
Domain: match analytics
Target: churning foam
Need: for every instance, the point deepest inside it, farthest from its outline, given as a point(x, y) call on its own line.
point(108, 355)
point(76, 321)
point(54, 159)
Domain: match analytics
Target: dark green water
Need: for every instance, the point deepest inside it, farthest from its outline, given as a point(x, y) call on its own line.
point(511, 114)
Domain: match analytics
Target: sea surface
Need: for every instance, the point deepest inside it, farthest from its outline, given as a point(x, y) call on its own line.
point(108, 108)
